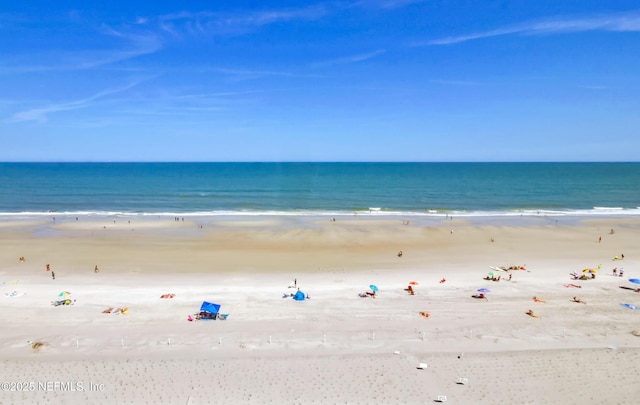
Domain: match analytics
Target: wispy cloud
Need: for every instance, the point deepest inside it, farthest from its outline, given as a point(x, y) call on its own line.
point(594, 87)
point(40, 114)
point(127, 46)
point(397, 3)
point(146, 35)
point(210, 23)
point(616, 23)
point(249, 74)
point(386, 4)
point(456, 82)
point(349, 59)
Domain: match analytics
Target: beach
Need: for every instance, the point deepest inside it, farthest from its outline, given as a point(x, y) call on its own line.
point(334, 347)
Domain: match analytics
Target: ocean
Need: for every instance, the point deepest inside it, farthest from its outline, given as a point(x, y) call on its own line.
point(470, 189)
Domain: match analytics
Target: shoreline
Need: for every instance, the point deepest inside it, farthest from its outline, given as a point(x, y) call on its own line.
point(98, 221)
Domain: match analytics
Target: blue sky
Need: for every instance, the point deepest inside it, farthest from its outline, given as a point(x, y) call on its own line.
point(374, 80)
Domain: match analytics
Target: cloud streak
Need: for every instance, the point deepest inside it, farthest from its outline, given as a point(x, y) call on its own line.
point(247, 74)
point(135, 45)
point(40, 114)
point(387, 4)
point(210, 23)
point(390, 4)
point(350, 59)
point(612, 23)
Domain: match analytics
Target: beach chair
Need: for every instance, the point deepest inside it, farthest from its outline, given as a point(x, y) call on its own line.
point(422, 366)
point(462, 381)
point(441, 398)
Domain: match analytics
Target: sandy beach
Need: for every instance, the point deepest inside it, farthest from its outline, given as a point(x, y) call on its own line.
point(334, 347)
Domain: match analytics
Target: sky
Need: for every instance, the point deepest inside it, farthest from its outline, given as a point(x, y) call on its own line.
point(344, 80)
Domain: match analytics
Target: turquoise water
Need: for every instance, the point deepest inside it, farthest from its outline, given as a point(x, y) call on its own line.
point(319, 188)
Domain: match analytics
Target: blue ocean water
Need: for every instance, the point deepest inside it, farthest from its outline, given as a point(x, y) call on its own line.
point(319, 188)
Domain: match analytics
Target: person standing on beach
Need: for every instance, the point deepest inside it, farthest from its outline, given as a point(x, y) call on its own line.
point(53, 275)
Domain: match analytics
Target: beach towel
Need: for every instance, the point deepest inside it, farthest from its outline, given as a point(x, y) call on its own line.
point(630, 306)
point(13, 294)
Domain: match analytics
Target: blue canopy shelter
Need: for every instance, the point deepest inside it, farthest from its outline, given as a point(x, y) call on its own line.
point(209, 310)
point(299, 296)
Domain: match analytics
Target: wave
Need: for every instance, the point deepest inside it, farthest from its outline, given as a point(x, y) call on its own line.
point(596, 211)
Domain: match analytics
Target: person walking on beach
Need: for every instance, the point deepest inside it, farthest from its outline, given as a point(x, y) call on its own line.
point(96, 270)
point(53, 275)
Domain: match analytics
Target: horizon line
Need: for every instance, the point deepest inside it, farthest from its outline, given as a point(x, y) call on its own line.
point(316, 161)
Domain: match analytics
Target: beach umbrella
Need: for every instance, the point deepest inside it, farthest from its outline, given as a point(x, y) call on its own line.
point(64, 294)
point(635, 280)
point(484, 290)
point(589, 271)
point(373, 287)
point(492, 274)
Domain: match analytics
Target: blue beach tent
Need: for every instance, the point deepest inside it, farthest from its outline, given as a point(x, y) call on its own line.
point(299, 296)
point(209, 307)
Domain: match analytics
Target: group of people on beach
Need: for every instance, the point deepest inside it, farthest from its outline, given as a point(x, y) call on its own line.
point(366, 294)
point(498, 278)
point(536, 299)
point(53, 274)
point(576, 276)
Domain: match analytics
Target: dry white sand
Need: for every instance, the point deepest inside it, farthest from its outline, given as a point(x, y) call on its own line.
point(334, 347)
